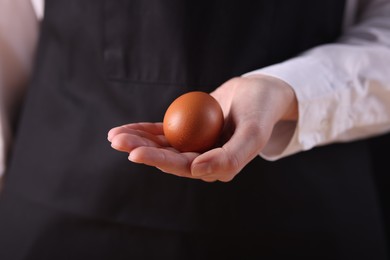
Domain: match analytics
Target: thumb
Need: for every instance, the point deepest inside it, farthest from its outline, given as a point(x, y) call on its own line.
point(225, 162)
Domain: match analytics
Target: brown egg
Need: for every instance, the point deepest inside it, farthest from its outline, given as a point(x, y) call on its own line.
point(193, 122)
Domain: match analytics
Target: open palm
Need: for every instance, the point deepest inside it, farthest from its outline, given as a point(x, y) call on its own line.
point(251, 107)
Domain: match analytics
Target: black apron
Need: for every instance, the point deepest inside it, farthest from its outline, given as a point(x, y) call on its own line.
point(103, 63)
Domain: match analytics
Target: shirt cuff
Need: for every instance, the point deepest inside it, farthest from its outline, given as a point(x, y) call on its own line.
point(313, 84)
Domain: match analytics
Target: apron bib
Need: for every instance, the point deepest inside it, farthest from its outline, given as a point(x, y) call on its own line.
point(69, 195)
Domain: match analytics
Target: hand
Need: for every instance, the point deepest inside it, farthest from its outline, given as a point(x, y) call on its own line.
point(251, 105)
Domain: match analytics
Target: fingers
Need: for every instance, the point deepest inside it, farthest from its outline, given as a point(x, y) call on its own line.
point(151, 128)
point(128, 142)
point(220, 164)
point(146, 144)
point(128, 137)
point(167, 160)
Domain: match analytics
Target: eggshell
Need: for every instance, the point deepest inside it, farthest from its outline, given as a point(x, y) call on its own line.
point(193, 122)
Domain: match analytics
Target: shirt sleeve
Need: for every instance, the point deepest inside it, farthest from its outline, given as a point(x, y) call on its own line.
point(18, 36)
point(343, 88)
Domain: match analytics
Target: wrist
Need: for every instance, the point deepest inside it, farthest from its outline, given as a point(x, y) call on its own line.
point(286, 98)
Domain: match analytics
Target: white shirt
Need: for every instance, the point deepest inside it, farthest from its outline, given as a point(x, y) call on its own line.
point(343, 89)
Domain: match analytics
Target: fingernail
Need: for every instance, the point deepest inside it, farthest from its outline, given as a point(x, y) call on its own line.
point(201, 169)
point(132, 157)
point(109, 136)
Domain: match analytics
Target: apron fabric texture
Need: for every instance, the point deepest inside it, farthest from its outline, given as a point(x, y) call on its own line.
point(103, 63)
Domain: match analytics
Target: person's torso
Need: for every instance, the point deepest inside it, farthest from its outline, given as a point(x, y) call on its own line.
point(105, 63)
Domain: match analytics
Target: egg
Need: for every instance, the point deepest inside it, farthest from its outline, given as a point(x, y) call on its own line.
point(193, 122)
